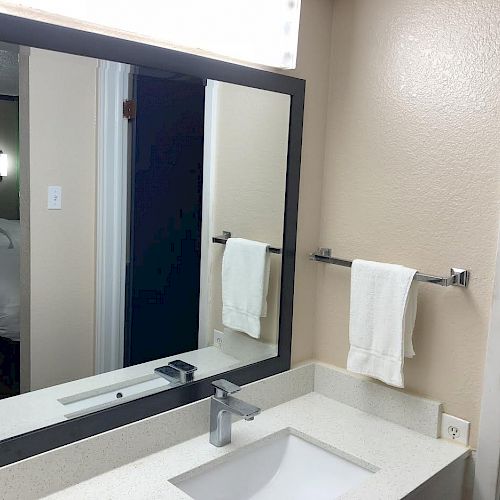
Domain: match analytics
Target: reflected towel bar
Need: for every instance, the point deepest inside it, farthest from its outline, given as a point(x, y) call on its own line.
point(227, 234)
point(458, 277)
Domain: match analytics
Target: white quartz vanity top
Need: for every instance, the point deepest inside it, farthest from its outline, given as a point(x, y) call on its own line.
point(41, 408)
point(405, 459)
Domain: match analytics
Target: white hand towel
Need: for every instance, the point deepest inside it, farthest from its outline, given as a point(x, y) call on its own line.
point(245, 281)
point(382, 317)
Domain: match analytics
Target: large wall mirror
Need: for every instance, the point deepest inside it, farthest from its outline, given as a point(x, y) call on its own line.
point(148, 205)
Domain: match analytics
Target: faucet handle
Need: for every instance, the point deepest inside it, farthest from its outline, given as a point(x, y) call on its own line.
point(223, 388)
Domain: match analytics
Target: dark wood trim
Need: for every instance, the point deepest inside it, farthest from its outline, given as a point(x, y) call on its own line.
point(51, 37)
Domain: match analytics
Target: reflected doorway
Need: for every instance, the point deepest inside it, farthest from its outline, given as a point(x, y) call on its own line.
point(165, 210)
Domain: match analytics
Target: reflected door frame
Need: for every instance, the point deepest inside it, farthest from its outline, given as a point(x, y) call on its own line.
point(112, 195)
point(205, 336)
point(25, 219)
point(113, 164)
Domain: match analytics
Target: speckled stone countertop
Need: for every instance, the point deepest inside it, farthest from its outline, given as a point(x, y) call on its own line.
point(403, 459)
point(35, 409)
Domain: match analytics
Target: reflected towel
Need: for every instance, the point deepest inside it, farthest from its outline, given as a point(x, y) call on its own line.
point(245, 282)
point(382, 317)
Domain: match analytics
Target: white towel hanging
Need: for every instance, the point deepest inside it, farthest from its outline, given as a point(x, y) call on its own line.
point(382, 317)
point(245, 282)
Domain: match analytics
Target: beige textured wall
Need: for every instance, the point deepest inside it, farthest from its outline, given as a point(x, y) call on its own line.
point(62, 118)
point(411, 177)
point(9, 131)
point(248, 179)
point(313, 63)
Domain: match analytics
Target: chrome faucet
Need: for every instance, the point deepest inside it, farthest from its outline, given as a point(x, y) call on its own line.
point(177, 372)
point(222, 406)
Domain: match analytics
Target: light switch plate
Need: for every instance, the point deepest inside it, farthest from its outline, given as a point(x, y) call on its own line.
point(455, 429)
point(54, 197)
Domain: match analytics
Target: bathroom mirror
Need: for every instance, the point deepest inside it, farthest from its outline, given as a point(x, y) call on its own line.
point(125, 169)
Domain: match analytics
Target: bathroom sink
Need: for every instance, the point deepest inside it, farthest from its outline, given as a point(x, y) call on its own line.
point(285, 466)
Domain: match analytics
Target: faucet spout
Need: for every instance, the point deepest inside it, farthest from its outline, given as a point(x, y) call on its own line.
point(236, 406)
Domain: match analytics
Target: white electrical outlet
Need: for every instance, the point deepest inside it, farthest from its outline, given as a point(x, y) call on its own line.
point(218, 339)
point(455, 429)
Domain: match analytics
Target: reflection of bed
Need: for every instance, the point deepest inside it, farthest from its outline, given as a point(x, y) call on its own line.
point(9, 279)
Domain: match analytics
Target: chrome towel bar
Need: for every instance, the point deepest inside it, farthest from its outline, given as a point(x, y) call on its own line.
point(222, 239)
point(458, 277)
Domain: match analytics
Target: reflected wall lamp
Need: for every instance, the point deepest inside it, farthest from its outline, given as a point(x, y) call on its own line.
point(4, 165)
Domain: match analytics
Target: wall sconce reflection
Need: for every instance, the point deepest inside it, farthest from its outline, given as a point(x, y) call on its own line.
point(4, 165)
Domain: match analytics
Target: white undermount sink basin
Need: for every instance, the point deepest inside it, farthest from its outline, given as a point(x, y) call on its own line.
point(285, 466)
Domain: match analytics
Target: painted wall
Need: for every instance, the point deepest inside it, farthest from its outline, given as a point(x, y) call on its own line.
point(313, 65)
point(62, 121)
point(411, 177)
point(248, 174)
point(9, 138)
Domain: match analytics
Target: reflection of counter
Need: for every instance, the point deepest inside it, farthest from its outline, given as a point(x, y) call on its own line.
point(40, 408)
point(112, 395)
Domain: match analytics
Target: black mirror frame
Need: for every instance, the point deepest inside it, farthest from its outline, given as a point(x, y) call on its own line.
point(31, 33)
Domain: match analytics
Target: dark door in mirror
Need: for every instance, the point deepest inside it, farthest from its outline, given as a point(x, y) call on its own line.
point(165, 217)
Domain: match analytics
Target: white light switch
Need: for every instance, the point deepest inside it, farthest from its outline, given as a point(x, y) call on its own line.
point(54, 198)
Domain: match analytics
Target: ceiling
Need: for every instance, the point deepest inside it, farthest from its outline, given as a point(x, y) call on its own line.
point(9, 69)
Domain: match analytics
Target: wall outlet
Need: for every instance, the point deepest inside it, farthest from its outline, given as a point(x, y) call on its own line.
point(455, 429)
point(218, 339)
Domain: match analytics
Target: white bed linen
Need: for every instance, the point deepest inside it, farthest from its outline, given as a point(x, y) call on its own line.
point(9, 293)
point(12, 228)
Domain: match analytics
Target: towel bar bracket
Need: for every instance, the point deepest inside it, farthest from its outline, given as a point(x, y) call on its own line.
point(461, 277)
point(457, 277)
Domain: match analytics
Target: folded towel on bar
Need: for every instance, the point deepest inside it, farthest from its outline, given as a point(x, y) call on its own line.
point(245, 282)
point(382, 317)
